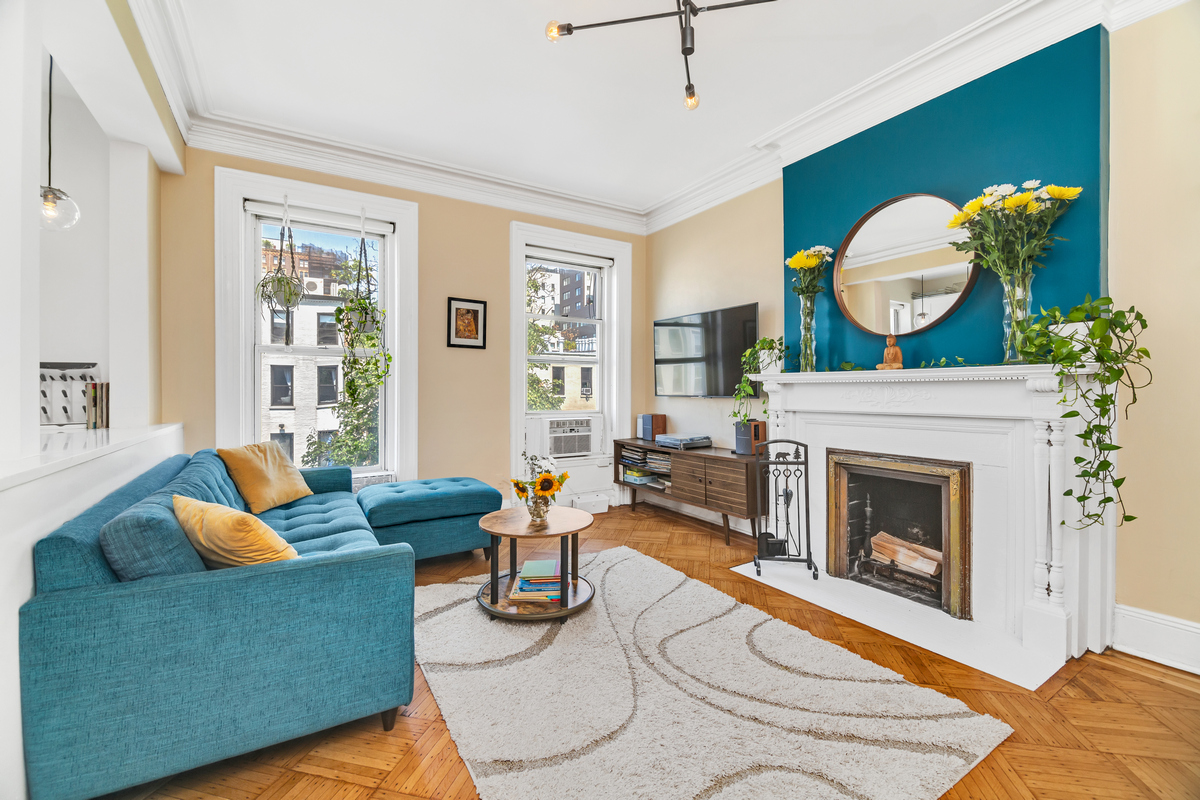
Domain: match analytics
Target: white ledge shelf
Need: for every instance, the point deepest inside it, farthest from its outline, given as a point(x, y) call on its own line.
point(68, 447)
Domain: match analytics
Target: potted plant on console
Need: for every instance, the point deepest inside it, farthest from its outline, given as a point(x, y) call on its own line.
point(763, 356)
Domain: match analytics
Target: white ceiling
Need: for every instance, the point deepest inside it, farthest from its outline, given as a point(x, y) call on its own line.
point(475, 83)
point(467, 99)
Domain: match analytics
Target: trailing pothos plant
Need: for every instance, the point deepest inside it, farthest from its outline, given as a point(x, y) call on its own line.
point(1093, 335)
point(765, 353)
point(365, 365)
point(365, 360)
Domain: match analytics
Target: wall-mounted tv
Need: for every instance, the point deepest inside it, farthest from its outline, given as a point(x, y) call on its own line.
point(700, 355)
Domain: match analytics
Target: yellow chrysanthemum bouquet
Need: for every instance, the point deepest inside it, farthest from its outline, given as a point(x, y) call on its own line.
point(809, 266)
point(542, 486)
point(1008, 231)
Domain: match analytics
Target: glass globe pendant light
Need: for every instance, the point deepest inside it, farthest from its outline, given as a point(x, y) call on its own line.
point(59, 211)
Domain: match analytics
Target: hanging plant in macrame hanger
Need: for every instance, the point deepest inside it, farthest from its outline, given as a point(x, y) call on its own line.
point(366, 361)
point(279, 290)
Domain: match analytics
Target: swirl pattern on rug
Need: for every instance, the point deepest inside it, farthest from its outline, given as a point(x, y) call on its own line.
point(667, 688)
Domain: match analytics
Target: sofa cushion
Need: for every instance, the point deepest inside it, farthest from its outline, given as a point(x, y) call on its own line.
point(146, 540)
point(264, 475)
point(317, 516)
point(413, 501)
point(71, 556)
point(337, 543)
point(227, 538)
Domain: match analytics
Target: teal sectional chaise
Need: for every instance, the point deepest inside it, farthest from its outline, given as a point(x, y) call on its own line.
point(123, 682)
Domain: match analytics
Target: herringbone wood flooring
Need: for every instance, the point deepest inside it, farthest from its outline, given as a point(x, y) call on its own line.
point(1109, 726)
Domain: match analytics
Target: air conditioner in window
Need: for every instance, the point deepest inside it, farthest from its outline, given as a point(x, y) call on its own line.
point(585, 391)
point(568, 437)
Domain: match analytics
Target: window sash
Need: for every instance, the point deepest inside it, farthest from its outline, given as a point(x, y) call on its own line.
point(261, 348)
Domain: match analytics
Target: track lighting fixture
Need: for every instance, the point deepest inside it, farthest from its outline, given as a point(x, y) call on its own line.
point(684, 11)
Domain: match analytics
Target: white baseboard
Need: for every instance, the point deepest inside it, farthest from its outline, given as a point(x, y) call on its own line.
point(1168, 640)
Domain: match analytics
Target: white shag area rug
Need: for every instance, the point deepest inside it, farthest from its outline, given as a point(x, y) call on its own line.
point(666, 688)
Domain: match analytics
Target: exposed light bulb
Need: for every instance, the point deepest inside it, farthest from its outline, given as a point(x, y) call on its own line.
point(689, 97)
point(59, 211)
point(552, 30)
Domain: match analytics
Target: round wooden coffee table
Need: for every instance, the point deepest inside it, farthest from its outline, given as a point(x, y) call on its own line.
point(513, 524)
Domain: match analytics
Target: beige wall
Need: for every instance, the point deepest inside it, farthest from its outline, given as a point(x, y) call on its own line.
point(463, 252)
point(1153, 264)
point(727, 256)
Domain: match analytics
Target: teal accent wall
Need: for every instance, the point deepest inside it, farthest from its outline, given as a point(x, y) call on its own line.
point(1043, 117)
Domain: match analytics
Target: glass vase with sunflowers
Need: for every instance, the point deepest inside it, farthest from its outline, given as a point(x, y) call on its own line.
point(1008, 231)
point(542, 486)
point(807, 283)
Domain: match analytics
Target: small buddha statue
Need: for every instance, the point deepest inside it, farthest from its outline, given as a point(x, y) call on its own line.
point(892, 357)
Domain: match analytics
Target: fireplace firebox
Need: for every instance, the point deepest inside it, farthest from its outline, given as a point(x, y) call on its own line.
point(902, 524)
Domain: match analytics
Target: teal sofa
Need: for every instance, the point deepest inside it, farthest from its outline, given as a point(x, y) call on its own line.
point(123, 682)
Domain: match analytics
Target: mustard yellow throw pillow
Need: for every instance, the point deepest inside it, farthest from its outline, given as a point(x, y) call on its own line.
point(225, 537)
point(264, 475)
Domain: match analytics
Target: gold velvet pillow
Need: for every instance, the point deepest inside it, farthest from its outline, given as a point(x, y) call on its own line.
point(226, 537)
point(264, 475)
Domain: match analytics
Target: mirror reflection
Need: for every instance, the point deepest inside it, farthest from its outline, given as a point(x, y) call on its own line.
point(897, 271)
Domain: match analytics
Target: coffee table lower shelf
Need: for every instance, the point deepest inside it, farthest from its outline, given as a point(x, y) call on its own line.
point(579, 593)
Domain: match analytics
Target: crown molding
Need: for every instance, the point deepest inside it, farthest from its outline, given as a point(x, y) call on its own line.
point(750, 171)
point(1017, 29)
point(264, 143)
point(164, 28)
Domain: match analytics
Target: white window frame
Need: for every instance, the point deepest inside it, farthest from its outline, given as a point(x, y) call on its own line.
point(616, 374)
point(236, 272)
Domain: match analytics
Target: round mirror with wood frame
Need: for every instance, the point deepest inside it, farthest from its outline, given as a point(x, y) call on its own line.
point(897, 271)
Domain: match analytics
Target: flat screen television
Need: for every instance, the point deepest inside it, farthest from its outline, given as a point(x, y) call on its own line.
point(700, 355)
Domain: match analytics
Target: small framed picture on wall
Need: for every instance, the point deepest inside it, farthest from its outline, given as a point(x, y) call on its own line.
point(466, 323)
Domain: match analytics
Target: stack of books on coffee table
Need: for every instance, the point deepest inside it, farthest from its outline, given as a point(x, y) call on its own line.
point(538, 581)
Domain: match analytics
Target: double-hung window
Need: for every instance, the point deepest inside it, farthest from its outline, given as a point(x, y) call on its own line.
point(298, 404)
point(564, 355)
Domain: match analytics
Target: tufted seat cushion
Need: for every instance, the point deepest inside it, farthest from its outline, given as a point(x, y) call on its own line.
point(413, 501)
point(337, 543)
point(317, 516)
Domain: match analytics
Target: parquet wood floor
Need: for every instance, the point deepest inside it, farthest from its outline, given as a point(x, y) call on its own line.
point(1108, 726)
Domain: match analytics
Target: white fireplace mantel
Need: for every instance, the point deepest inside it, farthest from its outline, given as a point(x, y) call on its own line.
point(1041, 592)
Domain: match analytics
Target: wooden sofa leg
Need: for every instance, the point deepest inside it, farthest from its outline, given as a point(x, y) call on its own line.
point(487, 554)
point(389, 718)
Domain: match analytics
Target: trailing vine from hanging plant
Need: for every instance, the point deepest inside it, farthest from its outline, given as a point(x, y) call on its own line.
point(753, 362)
point(1094, 335)
point(366, 361)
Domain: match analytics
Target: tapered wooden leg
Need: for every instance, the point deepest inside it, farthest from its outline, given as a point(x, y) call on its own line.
point(389, 718)
point(487, 553)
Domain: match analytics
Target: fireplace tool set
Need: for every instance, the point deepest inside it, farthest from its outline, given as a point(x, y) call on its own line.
point(781, 472)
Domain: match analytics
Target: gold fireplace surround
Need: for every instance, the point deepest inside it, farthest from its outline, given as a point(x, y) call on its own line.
point(955, 479)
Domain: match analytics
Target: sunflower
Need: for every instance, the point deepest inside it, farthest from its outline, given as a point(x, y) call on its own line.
point(805, 260)
point(520, 488)
point(1064, 192)
point(565, 477)
point(974, 206)
point(1018, 201)
point(546, 485)
point(960, 219)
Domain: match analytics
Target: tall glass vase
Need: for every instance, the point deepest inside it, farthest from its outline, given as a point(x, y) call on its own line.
point(808, 335)
point(1018, 307)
